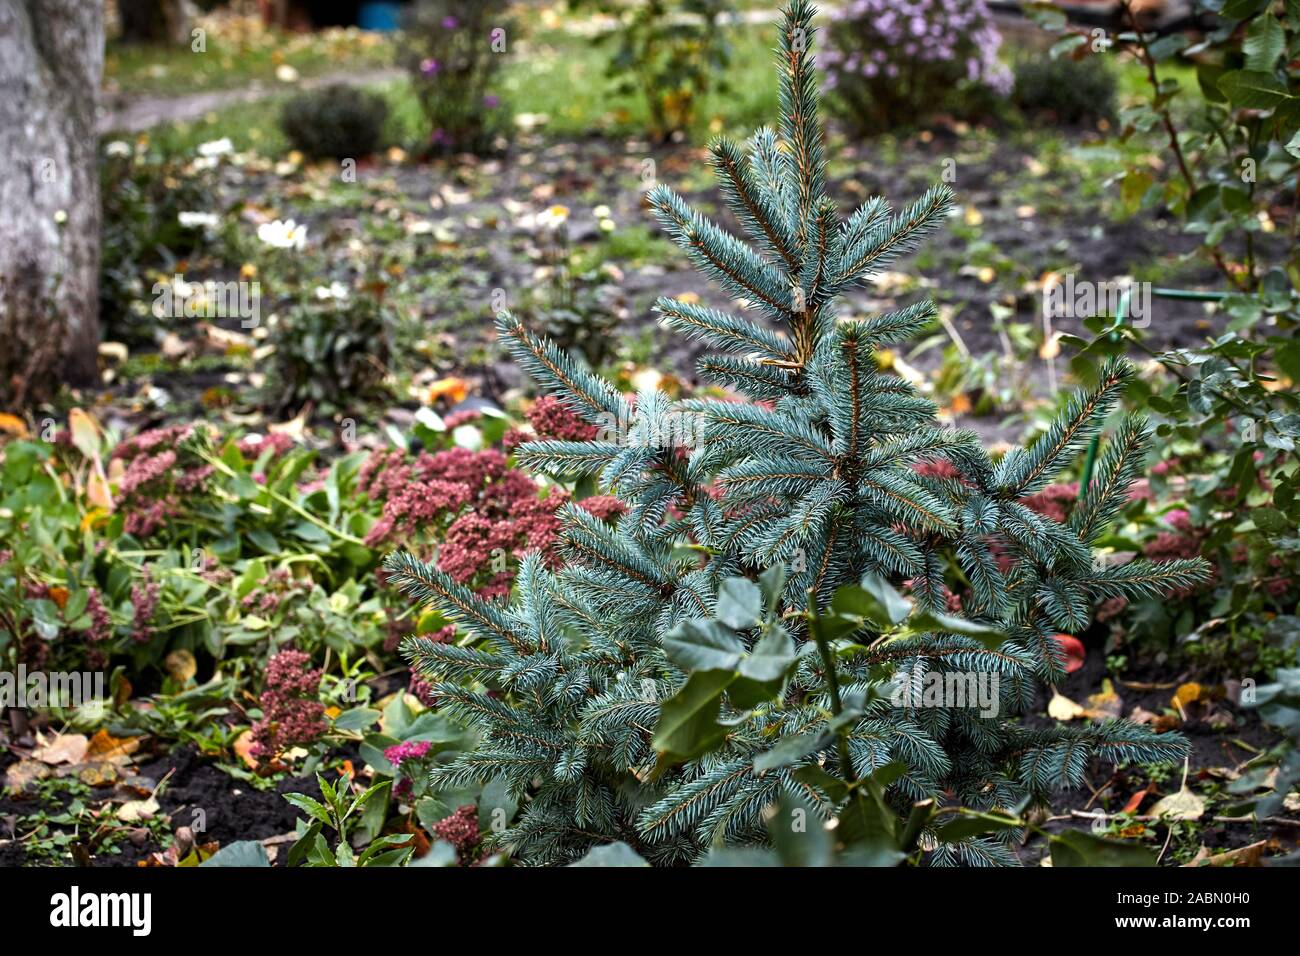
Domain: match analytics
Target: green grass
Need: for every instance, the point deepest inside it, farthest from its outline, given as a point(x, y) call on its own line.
point(231, 62)
point(555, 74)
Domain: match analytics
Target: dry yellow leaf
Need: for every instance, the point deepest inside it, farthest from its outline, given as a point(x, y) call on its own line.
point(1061, 707)
point(181, 665)
point(452, 388)
point(135, 810)
point(1187, 693)
point(13, 425)
point(98, 493)
point(105, 746)
point(19, 776)
point(1241, 856)
point(243, 746)
point(85, 432)
point(93, 518)
point(1183, 805)
point(1105, 703)
point(69, 748)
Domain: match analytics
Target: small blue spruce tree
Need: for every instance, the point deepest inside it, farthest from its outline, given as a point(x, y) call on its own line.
point(635, 695)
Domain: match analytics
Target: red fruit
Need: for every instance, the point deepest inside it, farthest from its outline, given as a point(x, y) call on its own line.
point(1074, 652)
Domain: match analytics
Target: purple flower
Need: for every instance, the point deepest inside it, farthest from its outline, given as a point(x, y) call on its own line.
point(429, 67)
point(450, 23)
point(491, 101)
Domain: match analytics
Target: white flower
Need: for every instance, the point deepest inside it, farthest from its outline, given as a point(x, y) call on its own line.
point(217, 147)
point(606, 225)
point(118, 148)
point(285, 234)
point(554, 217)
point(286, 74)
point(335, 290)
point(601, 212)
point(198, 220)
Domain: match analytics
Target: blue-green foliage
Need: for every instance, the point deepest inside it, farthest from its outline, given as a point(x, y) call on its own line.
point(566, 683)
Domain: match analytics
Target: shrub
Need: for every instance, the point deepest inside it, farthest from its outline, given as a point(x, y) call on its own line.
point(1065, 90)
point(331, 350)
point(670, 51)
point(452, 50)
point(894, 63)
point(1230, 135)
point(644, 692)
point(335, 122)
point(1225, 488)
point(150, 206)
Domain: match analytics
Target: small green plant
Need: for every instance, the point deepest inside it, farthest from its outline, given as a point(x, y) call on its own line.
point(1276, 772)
point(339, 809)
point(335, 122)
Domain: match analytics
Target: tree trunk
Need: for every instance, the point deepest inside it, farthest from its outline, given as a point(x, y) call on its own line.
point(51, 62)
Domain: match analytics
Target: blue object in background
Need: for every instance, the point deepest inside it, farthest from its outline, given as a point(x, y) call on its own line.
point(379, 16)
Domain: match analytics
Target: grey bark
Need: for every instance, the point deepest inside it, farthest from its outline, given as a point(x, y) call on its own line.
point(51, 64)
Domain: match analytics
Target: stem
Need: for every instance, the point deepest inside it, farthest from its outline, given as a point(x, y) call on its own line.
point(833, 687)
point(1167, 119)
point(289, 503)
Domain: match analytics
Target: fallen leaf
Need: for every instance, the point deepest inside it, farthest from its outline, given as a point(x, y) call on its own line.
point(295, 427)
point(1188, 693)
point(960, 405)
point(1105, 704)
point(1242, 856)
point(1061, 707)
point(1140, 715)
point(454, 389)
point(181, 665)
point(104, 746)
point(21, 775)
point(243, 747)
point(98, 495)
point(100, 773)
point(136, 810)
point(1135, 801)
point(1183, 805)
point(69, 748)
point(85, 432)
point(1221, 773)
point(13, 425)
